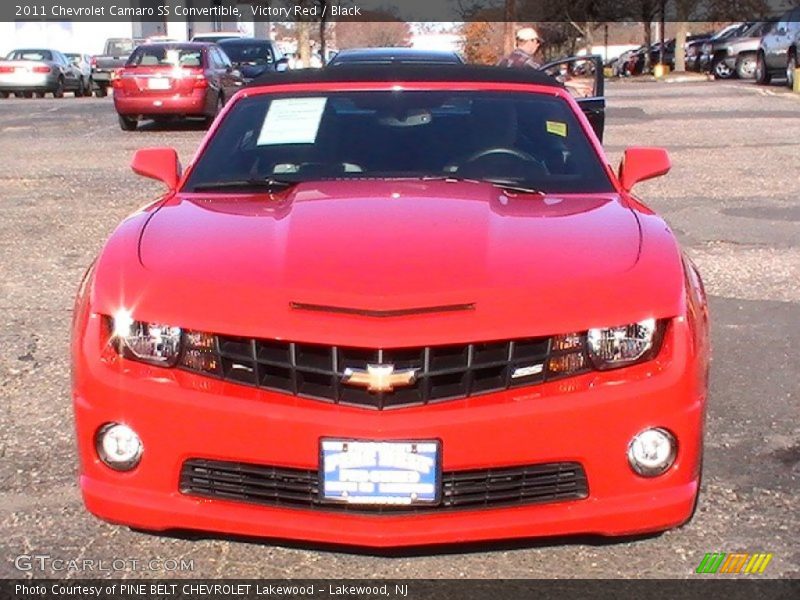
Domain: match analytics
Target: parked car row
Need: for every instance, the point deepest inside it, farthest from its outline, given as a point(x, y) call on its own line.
point(633, 62)
point(760, 50)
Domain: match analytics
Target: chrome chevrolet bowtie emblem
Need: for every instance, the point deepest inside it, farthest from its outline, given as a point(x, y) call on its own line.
point(379, 378)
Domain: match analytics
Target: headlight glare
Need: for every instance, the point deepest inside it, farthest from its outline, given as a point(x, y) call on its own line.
point(611, 347)
point(154, 343)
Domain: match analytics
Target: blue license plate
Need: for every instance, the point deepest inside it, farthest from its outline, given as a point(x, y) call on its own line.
point(389, 473)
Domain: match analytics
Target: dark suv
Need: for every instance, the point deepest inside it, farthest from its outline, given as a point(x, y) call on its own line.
point(777, 52)
point(254, 57)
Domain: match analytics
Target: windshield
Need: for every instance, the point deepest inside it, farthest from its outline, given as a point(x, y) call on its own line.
point(731, 31)
point(30, 55)
point(524, 139)
point(166, 56)
point(214, 37)
point(758, 29)
point(255, 54)
point(119, 47)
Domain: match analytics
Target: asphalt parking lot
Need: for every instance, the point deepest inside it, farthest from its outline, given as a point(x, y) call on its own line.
point(732, 198)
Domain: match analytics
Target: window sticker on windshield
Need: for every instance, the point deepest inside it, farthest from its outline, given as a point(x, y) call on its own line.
point(292, 121)
point(557, 128)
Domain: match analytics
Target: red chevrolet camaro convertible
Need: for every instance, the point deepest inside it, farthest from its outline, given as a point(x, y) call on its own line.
point(391, 306)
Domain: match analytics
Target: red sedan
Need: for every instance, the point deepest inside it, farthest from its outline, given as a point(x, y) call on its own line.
point(394, 306)
point(172, 80)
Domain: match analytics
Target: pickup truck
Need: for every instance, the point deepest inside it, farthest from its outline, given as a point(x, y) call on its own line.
point(115, 55)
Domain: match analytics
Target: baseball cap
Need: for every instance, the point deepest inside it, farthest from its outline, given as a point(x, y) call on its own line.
point(527, 34)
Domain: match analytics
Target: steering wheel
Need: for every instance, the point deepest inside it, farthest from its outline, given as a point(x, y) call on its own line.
point(501, 150)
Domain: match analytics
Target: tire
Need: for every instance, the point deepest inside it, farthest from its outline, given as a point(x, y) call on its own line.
point(27, 94)
point(721, 70)
point(791, 65)
point(762, 74)
point(3, 94)
point(81, 91)
point(746, 66)
point(102, 91)
point(128, 123)
point(59, 91)
point(39, 94)
point(217, 109)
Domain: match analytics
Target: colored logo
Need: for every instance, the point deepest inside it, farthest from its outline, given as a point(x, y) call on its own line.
point(380, 378)
point(736, 563)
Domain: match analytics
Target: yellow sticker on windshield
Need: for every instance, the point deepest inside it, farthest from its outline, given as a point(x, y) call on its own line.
point(557, 128)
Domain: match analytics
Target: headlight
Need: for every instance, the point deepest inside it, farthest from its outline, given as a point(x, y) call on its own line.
point(706, 48)
point(153, 343)
point(612, 347)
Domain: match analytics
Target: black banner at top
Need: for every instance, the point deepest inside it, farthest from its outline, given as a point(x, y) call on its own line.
point(578, 11)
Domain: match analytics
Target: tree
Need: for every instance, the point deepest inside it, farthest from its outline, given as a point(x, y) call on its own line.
point(645, 11)
point(683, 12)
point(483, 42)
point(376, 29)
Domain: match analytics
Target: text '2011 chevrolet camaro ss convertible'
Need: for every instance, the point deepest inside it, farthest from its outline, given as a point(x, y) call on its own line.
point(394, 306)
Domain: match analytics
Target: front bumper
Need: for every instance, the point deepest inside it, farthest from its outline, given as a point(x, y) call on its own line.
point(589, 419)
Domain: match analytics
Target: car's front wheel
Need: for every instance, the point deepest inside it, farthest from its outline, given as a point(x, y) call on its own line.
point(746, 66)
point(3, 94)
point(721, 70)
point(762, 75)
point(128, 123)
point(791, 66)
point(102, 91)
point(81, 91)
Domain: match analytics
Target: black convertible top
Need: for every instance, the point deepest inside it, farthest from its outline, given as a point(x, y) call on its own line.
point(346, 73)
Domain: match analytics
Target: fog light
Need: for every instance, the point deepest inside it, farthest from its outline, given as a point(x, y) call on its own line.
point(652, 452)
point(118, 446)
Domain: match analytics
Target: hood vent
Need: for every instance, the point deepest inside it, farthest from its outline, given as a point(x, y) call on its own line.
point(398, 312)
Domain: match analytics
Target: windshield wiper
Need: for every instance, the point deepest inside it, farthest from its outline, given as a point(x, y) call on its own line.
point(512, 187)
point(500, 183)
point(269, 185)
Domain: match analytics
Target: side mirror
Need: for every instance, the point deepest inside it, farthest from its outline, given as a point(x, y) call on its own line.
point(282, 65)
point(158, 163)
point(639, 164)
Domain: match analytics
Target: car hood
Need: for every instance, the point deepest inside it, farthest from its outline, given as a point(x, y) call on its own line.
point(400, 260)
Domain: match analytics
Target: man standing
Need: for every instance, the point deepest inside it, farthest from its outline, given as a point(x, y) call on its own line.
point(523, 55)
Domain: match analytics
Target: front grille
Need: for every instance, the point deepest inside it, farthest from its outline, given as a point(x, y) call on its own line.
point(299, 488)
point(442, 372)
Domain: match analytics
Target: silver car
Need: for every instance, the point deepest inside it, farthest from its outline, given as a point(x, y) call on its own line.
point(82, 62)
point(39, 71)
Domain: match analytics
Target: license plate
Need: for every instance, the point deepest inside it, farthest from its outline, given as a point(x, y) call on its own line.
point(158, 83)
point(389, 473)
